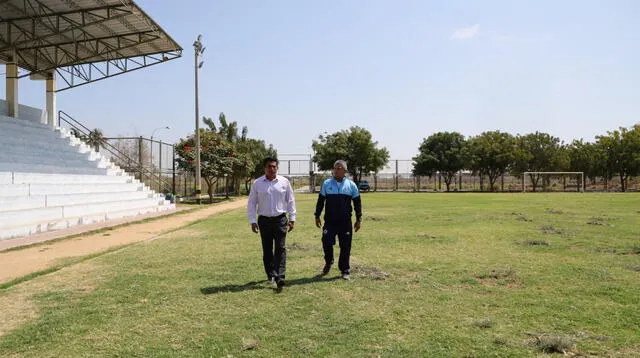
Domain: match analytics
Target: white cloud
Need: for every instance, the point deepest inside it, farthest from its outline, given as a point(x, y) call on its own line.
point(466, 33)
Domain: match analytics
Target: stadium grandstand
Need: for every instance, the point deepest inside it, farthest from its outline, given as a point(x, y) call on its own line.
point(49, 178)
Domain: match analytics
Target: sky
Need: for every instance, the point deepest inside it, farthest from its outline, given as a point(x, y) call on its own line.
point(293, 70)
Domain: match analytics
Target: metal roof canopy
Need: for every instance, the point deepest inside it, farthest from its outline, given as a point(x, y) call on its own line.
point(82, 40)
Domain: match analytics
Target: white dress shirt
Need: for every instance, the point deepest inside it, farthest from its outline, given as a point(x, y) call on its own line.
point(271, 198)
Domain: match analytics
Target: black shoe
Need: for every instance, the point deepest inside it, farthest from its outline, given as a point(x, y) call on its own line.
point(326, 269)
point(279, 285)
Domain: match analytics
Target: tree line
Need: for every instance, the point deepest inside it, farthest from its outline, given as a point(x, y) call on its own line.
point(227, 152)
point(491, 154)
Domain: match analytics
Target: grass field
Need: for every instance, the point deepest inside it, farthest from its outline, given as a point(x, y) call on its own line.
point(433, 275)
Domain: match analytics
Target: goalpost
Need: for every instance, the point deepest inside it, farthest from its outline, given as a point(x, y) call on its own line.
point(580, 176)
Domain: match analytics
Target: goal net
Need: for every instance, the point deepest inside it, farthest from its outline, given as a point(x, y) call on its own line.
point(553, 181)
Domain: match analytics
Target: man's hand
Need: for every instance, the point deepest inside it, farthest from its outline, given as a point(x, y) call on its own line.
point(291, 225)
point(356, 226)
point(254, 227)
point(318, 222)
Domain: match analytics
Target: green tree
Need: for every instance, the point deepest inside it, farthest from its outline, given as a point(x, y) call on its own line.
point(217, 157)
point(491, 154)
point(249, 152)
point(355, 146)
point(442, 153)
point(253, 151)
point(540, 152)
point(588, 158)
point(228, 131)
point(95, 138)
point(622, 148)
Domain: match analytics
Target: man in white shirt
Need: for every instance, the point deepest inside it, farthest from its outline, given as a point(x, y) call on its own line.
point(270, 199)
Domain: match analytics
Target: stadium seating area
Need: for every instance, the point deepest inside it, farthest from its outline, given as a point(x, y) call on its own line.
point(50, 180)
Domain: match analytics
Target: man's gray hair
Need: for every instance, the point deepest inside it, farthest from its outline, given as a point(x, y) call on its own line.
point(342, 163)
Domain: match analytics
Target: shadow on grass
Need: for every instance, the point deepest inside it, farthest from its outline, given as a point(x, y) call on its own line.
point(262, 285)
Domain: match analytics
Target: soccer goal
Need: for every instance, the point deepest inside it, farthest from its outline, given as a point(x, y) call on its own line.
point(550, 180)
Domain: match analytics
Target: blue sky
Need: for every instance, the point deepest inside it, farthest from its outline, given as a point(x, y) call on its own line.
point(291, 70)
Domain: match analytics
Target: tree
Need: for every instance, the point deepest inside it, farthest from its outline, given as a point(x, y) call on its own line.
point(622, 148)
point(95, 138)
point(355, 146)
point(588, 158)
point(217, 157)
point(228, 131)
point(540, 152)
point(442, 153)
point(248, 153)
point(253, 152)
point(491, 154)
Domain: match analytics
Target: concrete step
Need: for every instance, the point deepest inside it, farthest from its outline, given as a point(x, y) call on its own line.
point(64, 223)
point(15, 203)
point(51, 168)
point(57, 178)
point(33, 216)
point(10, 121)
point(47, 189)
point(13, 190)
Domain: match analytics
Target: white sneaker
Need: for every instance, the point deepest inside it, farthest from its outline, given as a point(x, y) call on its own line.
point(345, 276)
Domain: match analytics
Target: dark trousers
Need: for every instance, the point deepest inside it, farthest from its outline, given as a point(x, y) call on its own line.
point(273, 232)
point(343, 231)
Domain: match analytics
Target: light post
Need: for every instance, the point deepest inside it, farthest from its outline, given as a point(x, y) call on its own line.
point(151, 146)
point(154, 131)
point(198, 50)
point(226, 186)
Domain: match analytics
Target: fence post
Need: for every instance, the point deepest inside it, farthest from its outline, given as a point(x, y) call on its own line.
point(173, 163)
point(159, 166)
point(396, 177)
point(140, 158)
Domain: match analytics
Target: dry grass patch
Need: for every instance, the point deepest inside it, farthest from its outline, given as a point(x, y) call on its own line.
point(372, 272)
point(555, 211)
point(535, 243)
point(550, 230)
point(296, 246)
point(250, 344)
point(521, 217)
point(635, 268)
point(482, 323)
point(505, 276)
point(17, 308)
point(553, 343)
point(17, 302)
point(307, 346)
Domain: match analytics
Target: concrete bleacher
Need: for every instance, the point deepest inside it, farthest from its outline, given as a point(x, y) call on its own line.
point(50, 180)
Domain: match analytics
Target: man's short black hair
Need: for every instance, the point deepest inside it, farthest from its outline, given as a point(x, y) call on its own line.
point(268, 160)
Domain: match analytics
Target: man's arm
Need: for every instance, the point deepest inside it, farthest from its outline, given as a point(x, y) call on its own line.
point(319, 207)
point(357, 207)
point(291, 206)
point(252, 207)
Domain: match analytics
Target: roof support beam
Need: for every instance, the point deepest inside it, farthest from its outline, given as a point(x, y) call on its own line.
point(82, 41)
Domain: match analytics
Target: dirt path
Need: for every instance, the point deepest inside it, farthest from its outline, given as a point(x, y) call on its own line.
point(21, 262)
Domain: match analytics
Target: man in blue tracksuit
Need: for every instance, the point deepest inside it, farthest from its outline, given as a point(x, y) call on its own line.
point(338, 193)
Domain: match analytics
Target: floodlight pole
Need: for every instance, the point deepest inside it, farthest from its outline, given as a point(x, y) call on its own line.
point(197, 46)
point(151, 145)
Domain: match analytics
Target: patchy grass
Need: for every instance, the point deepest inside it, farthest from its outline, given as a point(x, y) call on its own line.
point(535, 243)
point(483, 323)
point(419, 288)
point(553, 344)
